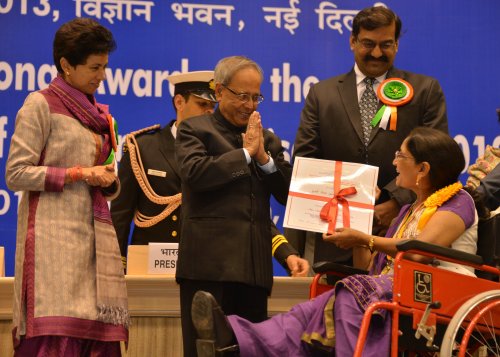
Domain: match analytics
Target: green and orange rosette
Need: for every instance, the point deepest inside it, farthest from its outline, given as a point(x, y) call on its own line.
point(393, 92)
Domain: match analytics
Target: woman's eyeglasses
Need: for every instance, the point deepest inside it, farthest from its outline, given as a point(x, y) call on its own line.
point(399, 155)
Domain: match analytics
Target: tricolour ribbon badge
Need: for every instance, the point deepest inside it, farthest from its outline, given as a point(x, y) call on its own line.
point(393, 92)
point(330, 209)
point(113, 133)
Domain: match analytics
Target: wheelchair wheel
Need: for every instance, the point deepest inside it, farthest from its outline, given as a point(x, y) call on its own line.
point(474, 330)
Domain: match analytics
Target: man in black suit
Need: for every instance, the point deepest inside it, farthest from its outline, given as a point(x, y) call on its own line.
point(331, 125)
point(150, 193)
point(229, 167)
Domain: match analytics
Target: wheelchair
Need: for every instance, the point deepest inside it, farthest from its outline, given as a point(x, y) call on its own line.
point(434, 311)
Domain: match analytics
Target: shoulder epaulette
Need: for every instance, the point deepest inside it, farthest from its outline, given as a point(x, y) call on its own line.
point(134, 134)
point(148, 130)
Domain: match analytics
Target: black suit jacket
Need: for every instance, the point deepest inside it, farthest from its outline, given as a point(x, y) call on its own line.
point(330, 128)
point(489, 188)
point(226, 225)
point(157, 153)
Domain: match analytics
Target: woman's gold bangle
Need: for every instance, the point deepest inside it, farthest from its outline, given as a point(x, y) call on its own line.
point(371, 242)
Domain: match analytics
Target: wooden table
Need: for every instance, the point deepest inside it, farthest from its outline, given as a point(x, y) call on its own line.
point(155, 311)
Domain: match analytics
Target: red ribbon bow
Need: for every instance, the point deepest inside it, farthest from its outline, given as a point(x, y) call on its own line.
point(330, 209)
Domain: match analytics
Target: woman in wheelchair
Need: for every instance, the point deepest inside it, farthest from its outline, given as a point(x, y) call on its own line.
point(428, 163)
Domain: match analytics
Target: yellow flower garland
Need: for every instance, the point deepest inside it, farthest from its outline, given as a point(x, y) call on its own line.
point(436, 200)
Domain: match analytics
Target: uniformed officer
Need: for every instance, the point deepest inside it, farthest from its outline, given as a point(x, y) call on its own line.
point(150, 192)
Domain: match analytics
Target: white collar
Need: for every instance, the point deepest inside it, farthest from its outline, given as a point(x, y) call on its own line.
point(173, 129)
point(360, 76)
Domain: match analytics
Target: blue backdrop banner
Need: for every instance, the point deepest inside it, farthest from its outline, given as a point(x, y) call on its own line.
point(297, 43)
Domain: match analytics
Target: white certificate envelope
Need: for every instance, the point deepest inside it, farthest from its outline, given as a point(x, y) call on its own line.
point(313, 185)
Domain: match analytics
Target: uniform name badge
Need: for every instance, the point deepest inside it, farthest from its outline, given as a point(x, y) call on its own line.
point(158, 173)
point(162, 258)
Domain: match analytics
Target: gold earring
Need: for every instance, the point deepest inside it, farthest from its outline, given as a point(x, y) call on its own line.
point(67, 73)
point(418, 180)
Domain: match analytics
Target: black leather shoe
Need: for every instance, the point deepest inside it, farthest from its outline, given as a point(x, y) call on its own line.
point(215, 335)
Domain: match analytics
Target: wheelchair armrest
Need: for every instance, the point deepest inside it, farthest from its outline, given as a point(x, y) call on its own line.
point(413, 244)
point(323, 267)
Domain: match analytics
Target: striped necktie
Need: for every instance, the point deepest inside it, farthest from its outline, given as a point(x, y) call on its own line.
point(368, 108)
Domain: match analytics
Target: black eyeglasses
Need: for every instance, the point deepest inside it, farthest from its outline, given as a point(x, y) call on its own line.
point(370, 45)
point(245, 97)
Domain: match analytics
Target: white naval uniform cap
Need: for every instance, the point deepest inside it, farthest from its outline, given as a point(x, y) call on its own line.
point(198, 83)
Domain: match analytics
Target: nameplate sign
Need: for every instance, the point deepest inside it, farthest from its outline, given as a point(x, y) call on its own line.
point(162, 258)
